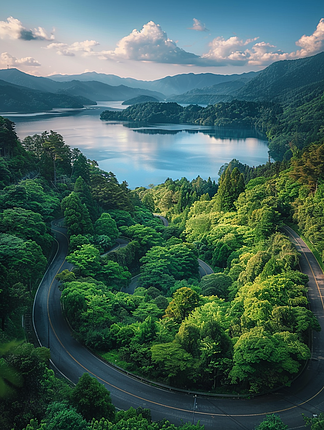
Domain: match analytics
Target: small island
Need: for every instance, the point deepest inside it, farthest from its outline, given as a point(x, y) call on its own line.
point(140, 99)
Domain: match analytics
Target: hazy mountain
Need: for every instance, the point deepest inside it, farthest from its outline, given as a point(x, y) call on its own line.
point(100, 77)
point(223, 92)
point(100, 91)
point(281, 79)
point(90, 90)
point(16, 77)
point(174, 85)
point(16, 98)
point(280, 82)
point(169, 85)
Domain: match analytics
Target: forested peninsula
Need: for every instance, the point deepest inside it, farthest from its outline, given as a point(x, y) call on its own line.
point(246, 328)
point(288, 128)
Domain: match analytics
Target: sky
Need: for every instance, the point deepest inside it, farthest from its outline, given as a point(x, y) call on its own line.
point(149, 39)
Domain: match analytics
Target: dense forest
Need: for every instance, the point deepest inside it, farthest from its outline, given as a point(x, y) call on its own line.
point(289, 126)
point(243, 329)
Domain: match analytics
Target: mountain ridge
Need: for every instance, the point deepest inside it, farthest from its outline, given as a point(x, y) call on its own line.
point(16, 98)
point(280, 83)
point(168, 85)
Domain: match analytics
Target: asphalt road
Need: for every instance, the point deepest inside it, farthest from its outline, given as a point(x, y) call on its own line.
point(305, 396)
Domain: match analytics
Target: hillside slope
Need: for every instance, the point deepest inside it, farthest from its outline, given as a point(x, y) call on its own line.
point(16, 98)
point(280, 79)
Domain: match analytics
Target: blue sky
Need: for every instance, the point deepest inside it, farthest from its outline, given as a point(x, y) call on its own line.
point(148, 40)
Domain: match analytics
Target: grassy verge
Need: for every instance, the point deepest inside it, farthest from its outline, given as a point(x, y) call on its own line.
point(310, 245)
point(112, 357)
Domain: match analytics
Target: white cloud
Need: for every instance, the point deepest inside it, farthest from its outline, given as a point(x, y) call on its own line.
point(149, 44)
point(14, 29)
point(198, 26)
point(9, 60)
point(152, 44)
point(235, 51)
point(85, 48)
point(313, 43)
point(227, 51)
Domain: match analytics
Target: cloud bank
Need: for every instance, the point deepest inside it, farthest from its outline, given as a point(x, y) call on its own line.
point(13, 29)
point(152, 44)
point(11, 61)
point(229, 51)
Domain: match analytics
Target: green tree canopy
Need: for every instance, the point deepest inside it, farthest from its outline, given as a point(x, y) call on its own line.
point(92, 400)
point(184, 301)
point(76, 215)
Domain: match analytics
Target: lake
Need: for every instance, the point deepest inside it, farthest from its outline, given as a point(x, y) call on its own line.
point(147, 155)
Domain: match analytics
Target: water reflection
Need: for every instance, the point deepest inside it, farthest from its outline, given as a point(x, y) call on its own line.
point(142, 155)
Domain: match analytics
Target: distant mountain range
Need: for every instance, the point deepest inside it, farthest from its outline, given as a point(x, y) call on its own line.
point(16, 98)
point(280, 82)
point(20, 92)
point(170, 85)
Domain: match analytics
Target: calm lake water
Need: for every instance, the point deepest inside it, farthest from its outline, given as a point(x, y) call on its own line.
point(147, 155)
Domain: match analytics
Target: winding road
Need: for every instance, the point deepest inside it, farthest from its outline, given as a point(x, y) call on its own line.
point(71, 359)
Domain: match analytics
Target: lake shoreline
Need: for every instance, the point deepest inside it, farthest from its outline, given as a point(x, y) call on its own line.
point(144, 155)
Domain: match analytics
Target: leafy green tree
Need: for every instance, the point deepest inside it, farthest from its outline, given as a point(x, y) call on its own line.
point(9, 376)
point(56, 149)
point(265, 220)
point(92, 399)
point(22, 264)
point(215, 284)
point(272, 422)
point(188, 337)
point(109, 193)
point(5, 173)
point(83, 190)
point(76, 241)
point(148, 329)
point(106, 225)
point(184, 301)
point(31, 397)
point(173, 362)
point(254, 267)
point(13, 297)
point(61, 416)
point(216, 352)
point(231, 185)
point(26, 224)
point(115, 275)
point(122, 217)
point(30, 194)
point(8, 137)
point(76, 215)
point(316, 422)
point(309, 168)
point(81, 168)
point(265, 360)
point(145, 236)
point(86, 259)
point(161, 266)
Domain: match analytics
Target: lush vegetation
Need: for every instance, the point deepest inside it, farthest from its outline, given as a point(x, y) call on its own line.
point(140, 99)
point(234, 114)
point(245, 328)
point(43, 179)
point(290, 124)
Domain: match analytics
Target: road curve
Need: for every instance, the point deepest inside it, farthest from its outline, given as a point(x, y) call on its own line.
point(306, 395)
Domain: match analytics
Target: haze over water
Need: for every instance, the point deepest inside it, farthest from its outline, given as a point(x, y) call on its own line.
point(149, 155)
